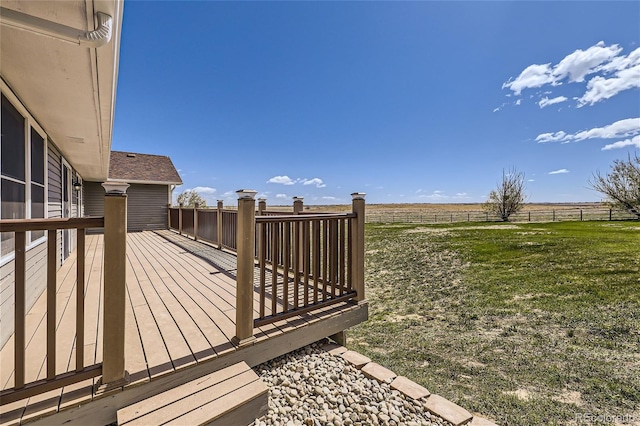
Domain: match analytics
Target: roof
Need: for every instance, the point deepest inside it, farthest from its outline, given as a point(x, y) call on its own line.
point(132, 167)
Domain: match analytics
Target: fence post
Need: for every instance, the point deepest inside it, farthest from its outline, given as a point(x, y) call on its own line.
point(219, 223)
point(115, 247)
point(554, 215)
point(358, 207)
point(196, 206)
point(180, 218)
point(298, 205)
point(609, 215)
point(580, 215)
point(529, 216)
point(245, 241)
point(169, 216)
point(262, 206)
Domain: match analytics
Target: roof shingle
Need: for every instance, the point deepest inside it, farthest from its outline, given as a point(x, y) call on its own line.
point(140, 168)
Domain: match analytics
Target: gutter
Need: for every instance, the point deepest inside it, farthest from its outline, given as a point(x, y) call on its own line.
point(96, 38)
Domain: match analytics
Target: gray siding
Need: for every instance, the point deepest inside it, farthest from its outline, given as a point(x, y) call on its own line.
point(146, 205)
point(54, 183)
point(36, 257)
point(36, 282)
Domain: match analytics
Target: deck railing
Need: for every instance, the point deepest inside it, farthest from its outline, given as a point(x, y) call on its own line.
point(21, 388)
point(304, 260)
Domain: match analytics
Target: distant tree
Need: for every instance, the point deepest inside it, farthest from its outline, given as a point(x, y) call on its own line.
point(190, 197)
point(509, 197)
point(622, 185)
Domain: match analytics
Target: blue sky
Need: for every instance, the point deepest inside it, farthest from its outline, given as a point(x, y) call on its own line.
point(406, 101)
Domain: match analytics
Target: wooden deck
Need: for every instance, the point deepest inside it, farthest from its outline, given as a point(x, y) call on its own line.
point(180, 320)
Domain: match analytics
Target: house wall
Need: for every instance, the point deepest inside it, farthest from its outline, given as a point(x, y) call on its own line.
point(146, 205)
point(36, 256)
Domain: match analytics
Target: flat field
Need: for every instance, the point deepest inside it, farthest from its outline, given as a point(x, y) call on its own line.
point(526, 324)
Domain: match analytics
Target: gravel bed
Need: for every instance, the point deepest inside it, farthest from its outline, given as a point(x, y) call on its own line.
point(311, 387)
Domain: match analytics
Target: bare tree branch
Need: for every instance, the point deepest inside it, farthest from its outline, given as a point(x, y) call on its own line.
point(190, 198)
point(622, 185)
point(509, 197)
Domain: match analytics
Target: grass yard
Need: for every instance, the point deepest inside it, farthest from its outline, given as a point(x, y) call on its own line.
point(527, 324)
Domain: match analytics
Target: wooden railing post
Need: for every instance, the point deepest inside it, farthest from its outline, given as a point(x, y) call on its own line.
point(358, 245)
point(196, 206)
point(245, 243)
point(298, 205)
point(262, 206)
point(169, 216)
point(219, 223)
point(180, 218)
point(115, 247)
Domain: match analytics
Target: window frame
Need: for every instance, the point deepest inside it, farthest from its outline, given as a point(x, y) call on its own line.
point(29, 123)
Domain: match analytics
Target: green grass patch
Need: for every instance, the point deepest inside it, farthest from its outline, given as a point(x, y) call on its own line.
point(527, 324)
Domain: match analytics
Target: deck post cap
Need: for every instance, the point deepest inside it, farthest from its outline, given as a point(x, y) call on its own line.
point(298, 198)
point(358, 195)
point(115, 188)
point(262, 199)
point(246, 193)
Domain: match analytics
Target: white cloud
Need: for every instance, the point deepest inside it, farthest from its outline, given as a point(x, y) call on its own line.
point(281, 196)
point(546, 101)
point(315, 181)
point(558, 172)
point(518, 102)
point(533, 76)
point(635, 141)
point(577, 65)
point(551, 137)
point(600, 88)
point(329, 198)
point(531, 180)
point(611, 72)
point(204, 190)
point(284, 180)
point(619, 129)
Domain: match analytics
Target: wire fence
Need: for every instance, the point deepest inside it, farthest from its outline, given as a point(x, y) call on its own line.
point(556, 215)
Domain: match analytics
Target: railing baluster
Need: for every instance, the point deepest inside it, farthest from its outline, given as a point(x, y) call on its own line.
point(80, 300)
point(306, 248)
point(261, 259)
point(325, 255)
point(20, 263)
point(51, 305)
point(334, 256)
point(316, 258)
point(341, 256)
point(296, 262)
point(286, 253)
point(274, 269)
point(350, 256)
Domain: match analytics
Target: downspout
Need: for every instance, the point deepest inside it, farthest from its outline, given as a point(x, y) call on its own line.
point(96, 38)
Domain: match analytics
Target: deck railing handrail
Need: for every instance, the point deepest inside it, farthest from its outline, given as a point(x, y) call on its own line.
point(303, 217)
point(20, 227)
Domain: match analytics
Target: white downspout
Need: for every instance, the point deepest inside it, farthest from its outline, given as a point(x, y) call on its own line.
point(96, 38)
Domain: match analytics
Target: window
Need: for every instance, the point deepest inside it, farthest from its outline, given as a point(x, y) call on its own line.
point(22, 173)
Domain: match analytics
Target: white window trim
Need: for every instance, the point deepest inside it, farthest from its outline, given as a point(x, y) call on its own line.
point(29, 122)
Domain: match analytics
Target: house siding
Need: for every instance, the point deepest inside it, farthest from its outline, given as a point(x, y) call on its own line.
point(146, 205)
point(36, 257)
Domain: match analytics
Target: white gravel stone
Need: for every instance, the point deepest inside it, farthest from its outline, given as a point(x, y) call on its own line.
point(312, 387)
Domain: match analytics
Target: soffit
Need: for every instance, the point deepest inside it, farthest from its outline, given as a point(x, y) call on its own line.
point(69, 89)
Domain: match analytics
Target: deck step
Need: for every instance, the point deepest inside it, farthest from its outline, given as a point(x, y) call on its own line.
point(234, 395)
